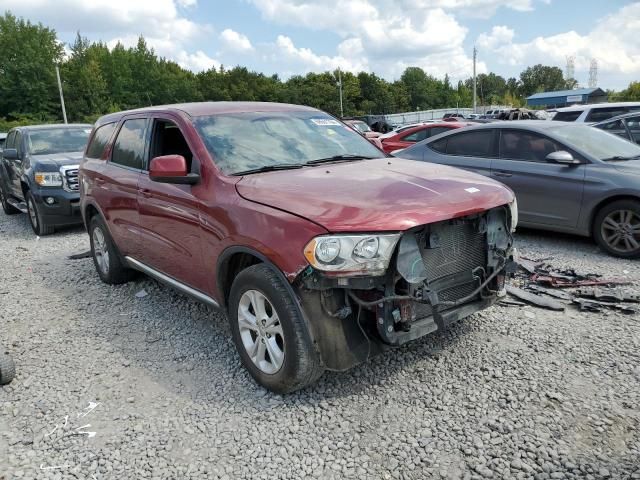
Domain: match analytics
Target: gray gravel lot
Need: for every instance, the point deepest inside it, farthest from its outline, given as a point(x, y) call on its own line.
point(508, 393)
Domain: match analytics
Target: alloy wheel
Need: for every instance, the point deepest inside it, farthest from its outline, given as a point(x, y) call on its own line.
point(621, 230)
point(100, 250)
point(261, 331)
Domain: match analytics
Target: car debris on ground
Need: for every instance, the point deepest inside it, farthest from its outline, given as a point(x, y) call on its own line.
point(540, 284)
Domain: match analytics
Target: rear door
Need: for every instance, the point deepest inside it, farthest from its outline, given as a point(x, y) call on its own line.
point(169, 214)
point(548, 193)
point(117, 184)
point(472, 150)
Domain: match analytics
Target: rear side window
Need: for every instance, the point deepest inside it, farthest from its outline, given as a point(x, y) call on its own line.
point(128, 149)
point(415, 136)
point(439, 145)
point(437, 131)
point(567, 116)
point(471, 144)
point(600, 114)
point(100, 139)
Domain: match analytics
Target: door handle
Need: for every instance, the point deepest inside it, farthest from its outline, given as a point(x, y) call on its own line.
point(502, 174)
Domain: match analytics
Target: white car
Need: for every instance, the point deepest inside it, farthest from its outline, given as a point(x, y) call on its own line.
point(596, 112)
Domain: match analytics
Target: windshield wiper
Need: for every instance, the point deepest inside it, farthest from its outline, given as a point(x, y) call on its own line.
point(268, 168)
point(620, 158)
point(338, 158)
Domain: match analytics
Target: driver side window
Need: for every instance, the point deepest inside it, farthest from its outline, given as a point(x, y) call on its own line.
point(527, 146)
point(168, 140)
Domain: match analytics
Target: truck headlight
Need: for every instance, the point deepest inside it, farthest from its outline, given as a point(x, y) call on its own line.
point(48, 179)
point(513, 206)
point(352, 255)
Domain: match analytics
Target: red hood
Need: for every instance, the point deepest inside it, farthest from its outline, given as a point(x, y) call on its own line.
point(375, 195)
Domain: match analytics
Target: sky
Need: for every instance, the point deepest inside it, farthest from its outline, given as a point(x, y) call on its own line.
point(290, 37)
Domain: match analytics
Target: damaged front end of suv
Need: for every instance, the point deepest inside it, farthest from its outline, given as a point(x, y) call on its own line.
point(365, 292)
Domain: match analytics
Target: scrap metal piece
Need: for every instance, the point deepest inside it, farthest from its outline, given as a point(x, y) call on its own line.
point(528, 265)
point(564, 281)
point(561, 294)
point(607, 296)
point(597, 306)
point(511, 303)
point(535, 299)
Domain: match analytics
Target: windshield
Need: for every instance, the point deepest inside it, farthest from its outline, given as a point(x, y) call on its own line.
point(58, 140)
point(596, 142)
point(246, 141)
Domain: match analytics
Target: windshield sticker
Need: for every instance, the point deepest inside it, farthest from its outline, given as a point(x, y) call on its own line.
point(472, 190)
point(326, 122)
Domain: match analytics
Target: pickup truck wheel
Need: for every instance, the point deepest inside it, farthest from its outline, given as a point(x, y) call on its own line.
point(8, 209)
point(38, 225)
point(269, 332)
point(617, 228)
point(7, 369)
point(105, 256)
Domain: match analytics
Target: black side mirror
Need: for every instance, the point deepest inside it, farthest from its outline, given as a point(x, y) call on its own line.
point(562, 157)
point(10, 154)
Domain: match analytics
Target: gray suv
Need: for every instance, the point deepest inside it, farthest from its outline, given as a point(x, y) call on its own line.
point(567, 177)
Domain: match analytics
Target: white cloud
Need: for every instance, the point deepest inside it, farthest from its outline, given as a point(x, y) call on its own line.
point(234, 41)
point(196, 62)
point(613, 42)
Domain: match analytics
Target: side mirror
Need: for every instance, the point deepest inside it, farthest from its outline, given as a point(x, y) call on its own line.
point(171, 169)
point(10, 154)
point(562, 157)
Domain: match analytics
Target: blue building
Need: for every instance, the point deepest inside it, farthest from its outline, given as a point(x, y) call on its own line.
point(564, 98)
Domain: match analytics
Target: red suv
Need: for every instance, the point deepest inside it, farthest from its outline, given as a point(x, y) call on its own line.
point(319, 251)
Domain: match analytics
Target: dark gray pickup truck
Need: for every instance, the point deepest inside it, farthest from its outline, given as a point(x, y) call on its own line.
point(39, 174)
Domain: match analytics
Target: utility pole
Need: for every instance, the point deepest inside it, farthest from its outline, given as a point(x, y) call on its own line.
point(64, 111)
point(340, 86)
point(475, 54)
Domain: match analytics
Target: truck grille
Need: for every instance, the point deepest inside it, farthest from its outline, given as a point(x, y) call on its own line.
point(449, 248)
point(71, 179)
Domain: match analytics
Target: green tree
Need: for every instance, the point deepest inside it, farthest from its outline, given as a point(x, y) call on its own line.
point(541, 78)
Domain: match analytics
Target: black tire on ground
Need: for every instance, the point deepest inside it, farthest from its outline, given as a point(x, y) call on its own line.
point(301, 365)
point(7, 369)
point(106, 257)
point(8, 209)
point(39, 226)
point(616, 228)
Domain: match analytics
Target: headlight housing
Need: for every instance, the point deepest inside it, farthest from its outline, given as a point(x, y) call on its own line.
point(48, 179)
point(352, 255)
point(513, 206)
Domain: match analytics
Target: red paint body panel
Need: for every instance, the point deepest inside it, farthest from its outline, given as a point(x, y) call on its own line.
point(396, 142)
point(168, 166)
point(375, 195)
point(183, 230)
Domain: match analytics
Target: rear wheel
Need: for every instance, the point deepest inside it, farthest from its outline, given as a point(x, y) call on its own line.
point(7, 369)
point(617, 228)
point(105, 255)
point(269, 332)
point(38, 224)
point(8, 209)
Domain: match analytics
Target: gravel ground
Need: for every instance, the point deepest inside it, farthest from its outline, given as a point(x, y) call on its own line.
point(508, 393)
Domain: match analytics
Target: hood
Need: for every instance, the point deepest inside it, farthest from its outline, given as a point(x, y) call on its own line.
point(58, 159)
point(375, 195)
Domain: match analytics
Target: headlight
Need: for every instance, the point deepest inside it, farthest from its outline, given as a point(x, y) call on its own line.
point(352, 254)
point(48, 179)
point(513, 206)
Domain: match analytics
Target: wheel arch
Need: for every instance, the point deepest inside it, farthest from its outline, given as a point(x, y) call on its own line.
point(603, 203)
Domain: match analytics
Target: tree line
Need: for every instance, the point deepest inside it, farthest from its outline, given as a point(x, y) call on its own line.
point(98, 80)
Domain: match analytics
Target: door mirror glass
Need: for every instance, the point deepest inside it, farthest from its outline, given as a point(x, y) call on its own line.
point(563, 157)
point(10, 154)
point(171, 169)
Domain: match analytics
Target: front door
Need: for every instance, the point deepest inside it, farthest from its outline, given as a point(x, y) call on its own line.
point(548, 193)
point(169, 213)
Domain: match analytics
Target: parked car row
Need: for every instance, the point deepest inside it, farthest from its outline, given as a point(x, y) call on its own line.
point(321, 249)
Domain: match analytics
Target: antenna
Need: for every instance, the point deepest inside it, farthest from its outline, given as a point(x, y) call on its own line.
point(570, 71)
point(593, 73)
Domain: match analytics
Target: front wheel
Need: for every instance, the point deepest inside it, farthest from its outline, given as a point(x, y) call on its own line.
point(269, 332)
point(39, 226)
point(617, 228)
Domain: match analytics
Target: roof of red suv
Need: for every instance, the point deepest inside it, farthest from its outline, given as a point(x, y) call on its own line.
point(197, 109)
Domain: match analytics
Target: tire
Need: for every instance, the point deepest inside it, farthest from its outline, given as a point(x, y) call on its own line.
point(616, 228)
point(283, 328)
point(7, 369)
point(8, 209)
point(106, 257)
point(39, 226)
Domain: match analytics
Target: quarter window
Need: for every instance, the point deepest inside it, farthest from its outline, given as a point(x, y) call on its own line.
point(471, 144)
point(437, 131)
point(100, 139)
point(128, 149)
point(527, 146)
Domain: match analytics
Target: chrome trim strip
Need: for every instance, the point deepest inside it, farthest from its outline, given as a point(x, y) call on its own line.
point(161, 277)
